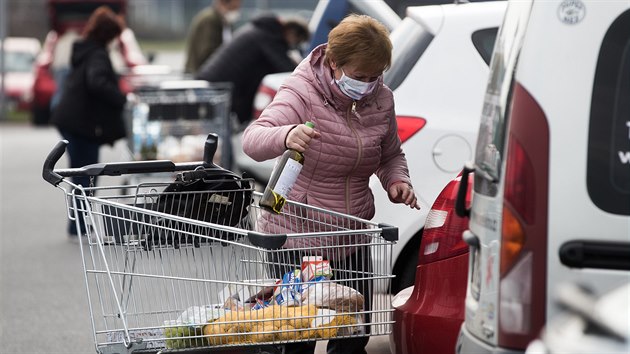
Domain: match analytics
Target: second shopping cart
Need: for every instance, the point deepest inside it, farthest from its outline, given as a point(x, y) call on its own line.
point(170, 121)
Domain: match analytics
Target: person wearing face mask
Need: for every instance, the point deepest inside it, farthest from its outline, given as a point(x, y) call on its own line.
point(259, 48)
point(339, 87)
point(209, 29)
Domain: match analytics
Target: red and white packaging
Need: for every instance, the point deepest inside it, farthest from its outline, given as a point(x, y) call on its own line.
point(315, 267)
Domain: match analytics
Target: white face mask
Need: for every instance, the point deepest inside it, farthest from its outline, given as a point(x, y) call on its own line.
point(232, 16)
point(355, 89)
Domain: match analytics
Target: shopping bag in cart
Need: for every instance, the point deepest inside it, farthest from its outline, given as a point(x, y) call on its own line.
point(213, 195)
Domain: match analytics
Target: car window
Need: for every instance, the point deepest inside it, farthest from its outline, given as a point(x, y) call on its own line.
point(19, 62)
point(483, 40)
point(608, 164)
point(409, 41)
point(491, 138)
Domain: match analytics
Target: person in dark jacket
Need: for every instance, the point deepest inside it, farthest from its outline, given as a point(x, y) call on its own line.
point(89, 113)
point(259, 48)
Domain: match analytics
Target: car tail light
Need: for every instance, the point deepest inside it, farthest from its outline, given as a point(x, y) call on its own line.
point(263, 98)
point(409, 126)
point(442, 235)
point(524, 224)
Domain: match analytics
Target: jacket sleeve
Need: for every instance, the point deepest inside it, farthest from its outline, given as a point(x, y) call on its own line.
point(205, 37)
point(102, 81)
point(393, 167)
point(264, 138)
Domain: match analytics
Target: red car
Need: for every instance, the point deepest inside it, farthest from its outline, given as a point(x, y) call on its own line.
point(67, 19)
point(19, 59)
point(429, 314)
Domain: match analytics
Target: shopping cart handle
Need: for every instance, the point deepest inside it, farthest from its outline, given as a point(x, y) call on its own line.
point(48, 173)
point(210, 148)
point(55, 176)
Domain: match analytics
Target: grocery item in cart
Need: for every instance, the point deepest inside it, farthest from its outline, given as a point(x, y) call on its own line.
point(278, 322)
point(314, 267)
point(328, 294)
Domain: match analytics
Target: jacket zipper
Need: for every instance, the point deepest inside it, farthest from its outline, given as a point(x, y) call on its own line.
point(352, 110)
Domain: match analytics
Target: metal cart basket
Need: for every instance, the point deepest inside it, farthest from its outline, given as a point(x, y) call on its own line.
point(170, 120)
point(195, 265)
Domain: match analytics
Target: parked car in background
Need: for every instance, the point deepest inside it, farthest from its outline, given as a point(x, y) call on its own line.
point(19, 60)
point(439, 72)
point(427, 315)
point(551, 196)
point(67, 19)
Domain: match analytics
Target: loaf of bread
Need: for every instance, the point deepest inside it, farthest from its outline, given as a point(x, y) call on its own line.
point(327, 294)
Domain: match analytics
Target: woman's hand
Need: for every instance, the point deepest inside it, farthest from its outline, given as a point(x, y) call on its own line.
point(300, 137)
point(401, 192)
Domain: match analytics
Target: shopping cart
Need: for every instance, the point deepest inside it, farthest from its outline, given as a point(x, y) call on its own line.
point(197, 266)
point(170, 119)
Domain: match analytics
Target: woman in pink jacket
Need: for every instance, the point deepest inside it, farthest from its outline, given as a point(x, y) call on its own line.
point(339, 87)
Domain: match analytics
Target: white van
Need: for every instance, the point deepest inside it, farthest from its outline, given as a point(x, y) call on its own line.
point(551, 196)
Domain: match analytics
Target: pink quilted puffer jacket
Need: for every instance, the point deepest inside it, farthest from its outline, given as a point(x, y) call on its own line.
point(358, 139)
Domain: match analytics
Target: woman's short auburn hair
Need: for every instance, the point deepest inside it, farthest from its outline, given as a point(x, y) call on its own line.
point(362, 41)
point(103, 25)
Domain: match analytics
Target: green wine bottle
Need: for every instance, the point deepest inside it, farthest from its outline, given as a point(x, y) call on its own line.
point(284, 175)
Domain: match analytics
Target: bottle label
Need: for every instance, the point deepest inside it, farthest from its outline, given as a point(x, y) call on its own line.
point(287, 178)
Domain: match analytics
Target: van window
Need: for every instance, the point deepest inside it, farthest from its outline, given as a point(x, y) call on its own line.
point(410, 40)
point(608, 164)
point(491, 139)
point(484, 42)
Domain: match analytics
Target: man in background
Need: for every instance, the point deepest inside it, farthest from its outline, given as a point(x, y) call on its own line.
point(209, 29)
point(261, 47)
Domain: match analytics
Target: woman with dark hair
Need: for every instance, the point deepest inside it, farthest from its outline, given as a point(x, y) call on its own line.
point(89, 112)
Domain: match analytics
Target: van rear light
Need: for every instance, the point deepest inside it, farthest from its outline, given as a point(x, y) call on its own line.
point(516, 298)
point(522, 297)
point(520, 189)
point(409, 126)
point(263, 98)
point(512, 239)
point(442, 235)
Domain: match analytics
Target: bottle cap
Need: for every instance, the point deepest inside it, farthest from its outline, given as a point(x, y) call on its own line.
point(310, 124)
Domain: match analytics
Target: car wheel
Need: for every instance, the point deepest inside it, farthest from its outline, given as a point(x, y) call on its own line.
point(406, 263)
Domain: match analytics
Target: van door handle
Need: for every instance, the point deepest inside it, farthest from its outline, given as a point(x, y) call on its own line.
point(470, 239)
point(596, 254)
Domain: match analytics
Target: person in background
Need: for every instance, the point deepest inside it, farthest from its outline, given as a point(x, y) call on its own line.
point(339, 87)
point(89, 112)
point(261, 47)
point(60, 65)
point(209, 29)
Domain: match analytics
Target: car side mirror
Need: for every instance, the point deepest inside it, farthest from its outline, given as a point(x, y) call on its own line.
point(460, 201)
